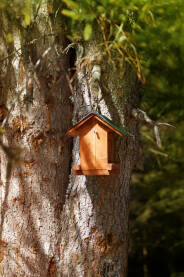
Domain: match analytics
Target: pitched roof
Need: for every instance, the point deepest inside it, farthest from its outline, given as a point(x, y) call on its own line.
point(74, 130)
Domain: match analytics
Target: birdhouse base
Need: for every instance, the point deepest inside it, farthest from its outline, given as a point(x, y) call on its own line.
point(96, 172)
point(111, 169)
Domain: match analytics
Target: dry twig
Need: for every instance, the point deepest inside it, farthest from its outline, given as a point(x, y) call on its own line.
point(141, 115)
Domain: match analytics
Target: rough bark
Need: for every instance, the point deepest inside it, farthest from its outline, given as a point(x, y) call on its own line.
point(53, 223)
point(33, 189)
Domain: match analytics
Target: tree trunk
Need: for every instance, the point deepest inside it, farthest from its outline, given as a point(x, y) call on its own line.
point(33, 189)
point(54, 223)
point(94, 238)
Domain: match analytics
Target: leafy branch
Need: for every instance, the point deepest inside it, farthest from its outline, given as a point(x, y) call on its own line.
point(117, 22)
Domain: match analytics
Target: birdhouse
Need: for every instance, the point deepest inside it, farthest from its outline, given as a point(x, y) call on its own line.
point(96, 145)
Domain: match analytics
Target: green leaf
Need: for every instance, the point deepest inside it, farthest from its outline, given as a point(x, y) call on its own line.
point(87, 31)
point(27, 19)
point(71, 4)
point(122, 38)
point(70, 14)
point(145, 7)
point(2, 131)
point(101, 9)
point(9, 37)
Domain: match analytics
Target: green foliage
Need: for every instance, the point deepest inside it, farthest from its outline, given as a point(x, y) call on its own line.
point(116, 21)
point(157, 208)
point(87, 31)
point(158, 203)
point(160, 47)
point(20, 10)
point(136, 30)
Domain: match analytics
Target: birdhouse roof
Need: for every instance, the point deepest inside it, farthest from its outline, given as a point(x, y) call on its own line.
point(75, 130)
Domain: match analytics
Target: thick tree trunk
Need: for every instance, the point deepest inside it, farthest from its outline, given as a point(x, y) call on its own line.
point(54, 223)
point(33, 189)
point(94, 238)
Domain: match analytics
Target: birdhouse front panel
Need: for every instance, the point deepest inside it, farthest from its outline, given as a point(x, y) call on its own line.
point(93, 147)
point(87, 148)
point(101, 153)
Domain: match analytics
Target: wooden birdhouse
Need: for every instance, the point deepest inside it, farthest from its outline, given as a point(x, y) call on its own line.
point(96, 145)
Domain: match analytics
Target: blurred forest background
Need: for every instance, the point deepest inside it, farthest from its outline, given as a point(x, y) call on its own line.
point(157, 207)
point(154, 32)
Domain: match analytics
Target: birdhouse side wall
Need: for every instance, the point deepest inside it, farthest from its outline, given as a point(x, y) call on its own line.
point(110, 148)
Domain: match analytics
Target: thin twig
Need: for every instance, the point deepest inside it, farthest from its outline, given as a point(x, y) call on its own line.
point(13, 53)
point(141, 115)
point(69, 83)
point(157, 136)
point(71, 45)
point(28, 43)
point(165, 124)
point(42, 57)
